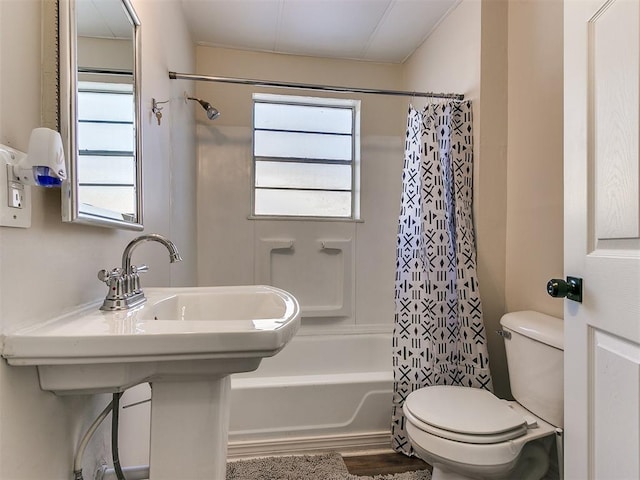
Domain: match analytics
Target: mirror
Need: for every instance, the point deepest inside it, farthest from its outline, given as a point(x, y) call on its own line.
point(99, 112)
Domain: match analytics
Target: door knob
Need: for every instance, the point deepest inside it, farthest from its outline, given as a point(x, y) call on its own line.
point(572, 288)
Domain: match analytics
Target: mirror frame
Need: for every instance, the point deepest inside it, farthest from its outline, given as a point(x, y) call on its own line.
point(68, 118)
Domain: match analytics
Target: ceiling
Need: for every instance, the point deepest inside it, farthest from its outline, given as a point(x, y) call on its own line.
point(373, 30)
point(102, 19)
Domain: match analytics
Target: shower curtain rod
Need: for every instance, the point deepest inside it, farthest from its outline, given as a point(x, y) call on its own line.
point(309, 86)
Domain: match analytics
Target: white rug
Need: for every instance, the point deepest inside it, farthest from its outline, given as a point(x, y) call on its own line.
point(306, 467)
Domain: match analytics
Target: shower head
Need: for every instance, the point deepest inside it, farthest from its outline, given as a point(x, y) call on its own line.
point(212, 112)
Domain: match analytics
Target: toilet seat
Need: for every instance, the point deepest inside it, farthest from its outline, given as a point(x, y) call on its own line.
point(468, 451)
point(464, 414)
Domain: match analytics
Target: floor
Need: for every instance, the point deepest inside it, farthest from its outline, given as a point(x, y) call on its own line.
point(392, 463)
point(383, 464)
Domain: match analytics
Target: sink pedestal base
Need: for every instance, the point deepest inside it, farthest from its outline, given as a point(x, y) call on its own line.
point(189, 429)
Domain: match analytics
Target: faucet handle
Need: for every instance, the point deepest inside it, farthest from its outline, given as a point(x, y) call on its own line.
point(107, 275)
point(133, 279)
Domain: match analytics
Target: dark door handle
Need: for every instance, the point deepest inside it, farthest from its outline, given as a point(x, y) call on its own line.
point(572, 288)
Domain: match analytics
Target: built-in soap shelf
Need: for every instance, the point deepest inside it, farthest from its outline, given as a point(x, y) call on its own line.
point(268, 251)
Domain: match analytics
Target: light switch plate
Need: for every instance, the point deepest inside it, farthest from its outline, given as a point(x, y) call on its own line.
point(15, 198)
point(16, 195)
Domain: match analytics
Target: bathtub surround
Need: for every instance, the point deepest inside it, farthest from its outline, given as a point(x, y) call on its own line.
point(439, 336)
point(345, 277)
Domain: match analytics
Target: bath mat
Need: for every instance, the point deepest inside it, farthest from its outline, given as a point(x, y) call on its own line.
point(306, 467)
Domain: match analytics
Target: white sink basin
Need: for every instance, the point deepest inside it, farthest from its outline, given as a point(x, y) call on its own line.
point(185, 342)
point(179, 333)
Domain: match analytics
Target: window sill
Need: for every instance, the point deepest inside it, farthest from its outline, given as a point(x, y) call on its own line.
point(280, 218)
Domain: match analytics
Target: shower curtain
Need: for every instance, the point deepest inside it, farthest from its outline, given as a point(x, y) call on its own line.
point(439, 335)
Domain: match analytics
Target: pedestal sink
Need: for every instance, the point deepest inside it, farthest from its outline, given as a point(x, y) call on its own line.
point(185, 342)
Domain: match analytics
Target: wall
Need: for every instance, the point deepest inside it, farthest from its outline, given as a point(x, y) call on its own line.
point(105, 53)
point(491, 199)
point(53, 266)
point(466, 54)
point(518, 230)
point(535, 169)
point(224, 179)
point(505, 56)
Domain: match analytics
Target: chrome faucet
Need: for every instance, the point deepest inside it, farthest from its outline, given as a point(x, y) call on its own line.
point(124, 283)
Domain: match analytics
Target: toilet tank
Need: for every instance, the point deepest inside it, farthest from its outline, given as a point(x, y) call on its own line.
point(535, 352)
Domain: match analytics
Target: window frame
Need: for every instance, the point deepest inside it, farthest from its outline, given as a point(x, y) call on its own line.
point(354, 106)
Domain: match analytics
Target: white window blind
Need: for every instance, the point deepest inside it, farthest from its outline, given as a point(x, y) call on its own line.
point(106, 163)
point(306, 155)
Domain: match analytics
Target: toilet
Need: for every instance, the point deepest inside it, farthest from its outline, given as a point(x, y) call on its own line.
point(469, 433)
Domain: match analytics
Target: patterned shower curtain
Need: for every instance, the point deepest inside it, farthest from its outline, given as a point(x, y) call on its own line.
point(439, 335)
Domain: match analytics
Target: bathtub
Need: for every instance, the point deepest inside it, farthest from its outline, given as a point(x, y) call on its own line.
point(321, 392)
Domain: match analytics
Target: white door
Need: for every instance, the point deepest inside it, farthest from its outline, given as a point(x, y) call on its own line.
point(602, 238)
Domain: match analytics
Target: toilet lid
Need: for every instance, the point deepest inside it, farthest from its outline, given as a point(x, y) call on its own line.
point(465, 411)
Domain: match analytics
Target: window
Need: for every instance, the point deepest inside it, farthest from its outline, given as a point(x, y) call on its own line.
point(306, 157)
point(106, 162)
